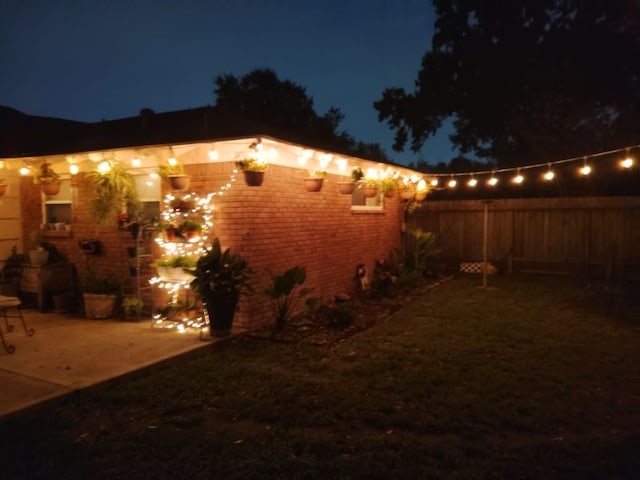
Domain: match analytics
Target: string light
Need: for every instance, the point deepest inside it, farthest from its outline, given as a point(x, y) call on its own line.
point(586, 168)
point(549, 174)
point(472, 182)
point(627, 162)
point(493, 181)
point(452, 183)
point(518, 179)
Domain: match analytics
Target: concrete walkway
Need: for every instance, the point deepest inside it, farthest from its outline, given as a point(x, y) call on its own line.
point(68, 353)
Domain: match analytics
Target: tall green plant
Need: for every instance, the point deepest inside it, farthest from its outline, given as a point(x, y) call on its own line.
point(114, 192)
point(285, 293)
point(424, 250)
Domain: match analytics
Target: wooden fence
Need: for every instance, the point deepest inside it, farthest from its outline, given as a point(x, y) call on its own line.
point(592, 235)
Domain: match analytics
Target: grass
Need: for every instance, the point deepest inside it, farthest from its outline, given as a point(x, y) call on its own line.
point(528, 379)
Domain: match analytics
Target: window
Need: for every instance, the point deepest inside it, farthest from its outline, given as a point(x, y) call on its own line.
point(148, 187)
point(57, 208)
point(360, 203)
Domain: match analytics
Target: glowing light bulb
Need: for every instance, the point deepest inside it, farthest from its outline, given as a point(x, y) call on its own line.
point(172, 161)
point(549, 175)
point(74, 169)
point(135, 162)
point(472, 182)
point(452, 183)
point(213, 154)
point(627, 162)
point(434, 182)
point(104, 167)
point(585, 170)
point(492, 182)
point(24, 171)
point(518, 179)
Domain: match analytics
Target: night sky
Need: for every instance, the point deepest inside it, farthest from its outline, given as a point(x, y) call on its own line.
point(91, 60)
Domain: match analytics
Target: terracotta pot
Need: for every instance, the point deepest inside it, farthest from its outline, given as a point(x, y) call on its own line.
point(98, 306)
point(407, 194)
point(50, 188)
point(3, 188)
point(368, 191)
point(253, 178)
point(346, 188)
point(179, 182)
point(313, 184)
point(389, 193)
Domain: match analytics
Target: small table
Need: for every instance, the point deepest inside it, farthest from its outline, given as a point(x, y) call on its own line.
point(47, 279)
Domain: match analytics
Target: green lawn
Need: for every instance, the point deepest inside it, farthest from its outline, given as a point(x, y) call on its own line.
point(530, 379)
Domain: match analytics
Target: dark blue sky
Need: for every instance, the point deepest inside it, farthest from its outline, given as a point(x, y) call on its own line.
point(91, 60)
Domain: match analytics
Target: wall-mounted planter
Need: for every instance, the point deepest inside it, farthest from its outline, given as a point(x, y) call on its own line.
point(313, 184)
point(407, 194)
point(174, 274)
point(346, 188)
point(3, 188)
point(179, 182)
point(50, 188)
point(389, 193)
point(369, 191)
point(253, 178)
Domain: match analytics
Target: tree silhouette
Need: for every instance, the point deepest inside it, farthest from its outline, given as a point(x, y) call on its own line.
point(525, 81)
point(284, 107)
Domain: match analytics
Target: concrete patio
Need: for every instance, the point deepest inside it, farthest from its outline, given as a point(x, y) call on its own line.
point(68, 353)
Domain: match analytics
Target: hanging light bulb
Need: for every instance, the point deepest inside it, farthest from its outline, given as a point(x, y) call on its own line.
point(493, 181)
point(472, 182)
point(549, 174)
point(74, 169)
point(452, 183)
point(627, 162)
point(585, 169)
point(24, 171)
point(136, 162)
point(518, 179)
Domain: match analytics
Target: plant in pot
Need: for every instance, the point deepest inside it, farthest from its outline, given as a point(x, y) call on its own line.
point(172, 269)
point(132, 307)
point(173, 172)
point(315, 180)
point(48, 179)
point(220, 277)
point(253, 170)
point(369, 187)
point(388, 186)
point(347, 188)
point(99, 295)
point(191, 230)
point(115, 195)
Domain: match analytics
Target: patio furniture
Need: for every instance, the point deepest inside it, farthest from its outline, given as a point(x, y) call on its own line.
point(9, 283)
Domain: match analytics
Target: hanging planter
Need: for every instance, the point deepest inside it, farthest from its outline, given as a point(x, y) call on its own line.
point(3, 187)
point(346, 188)
point(407, 194)
point(253, 170)
point(313, 184)
point(179, 182)
point(48, 179)
point(369, 191)
point(50, 188)
point(253, 178)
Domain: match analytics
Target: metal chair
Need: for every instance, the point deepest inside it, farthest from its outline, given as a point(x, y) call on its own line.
point(9, 287)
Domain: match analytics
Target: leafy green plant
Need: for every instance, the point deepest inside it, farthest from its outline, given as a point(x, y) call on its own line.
point(357, 174)
point(317, 174)
point(114, 192)
point(46, 174)
point(178, 261)
point(132, 306)
point(388, 184)
point(283, 292)
point(251, 165)
point(424, 250)
point(166, 170)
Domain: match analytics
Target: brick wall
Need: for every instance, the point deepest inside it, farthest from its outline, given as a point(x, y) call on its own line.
point(275, 226)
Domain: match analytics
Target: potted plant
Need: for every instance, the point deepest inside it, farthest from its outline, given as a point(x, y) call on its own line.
point(99, 295)
point(115, 195)
point(190, 230)
point(313, 183)
point(132, 307)
point(388, 186)
point(369, 187)
point(253, 171)
point(220, 277)
point(347, 188)
point(48, 179)
point(172, 269)
point(173, 172)
point(3, 186)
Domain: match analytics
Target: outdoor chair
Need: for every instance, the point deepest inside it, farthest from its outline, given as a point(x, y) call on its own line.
point(10, 301)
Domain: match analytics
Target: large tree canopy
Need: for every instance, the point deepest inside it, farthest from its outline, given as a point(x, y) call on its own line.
point(283, 106)
point(526, 80)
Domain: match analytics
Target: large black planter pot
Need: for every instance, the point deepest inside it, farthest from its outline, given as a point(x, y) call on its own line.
point(221, 311)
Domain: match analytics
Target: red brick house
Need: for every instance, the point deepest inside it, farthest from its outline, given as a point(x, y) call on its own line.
point(275, 226)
